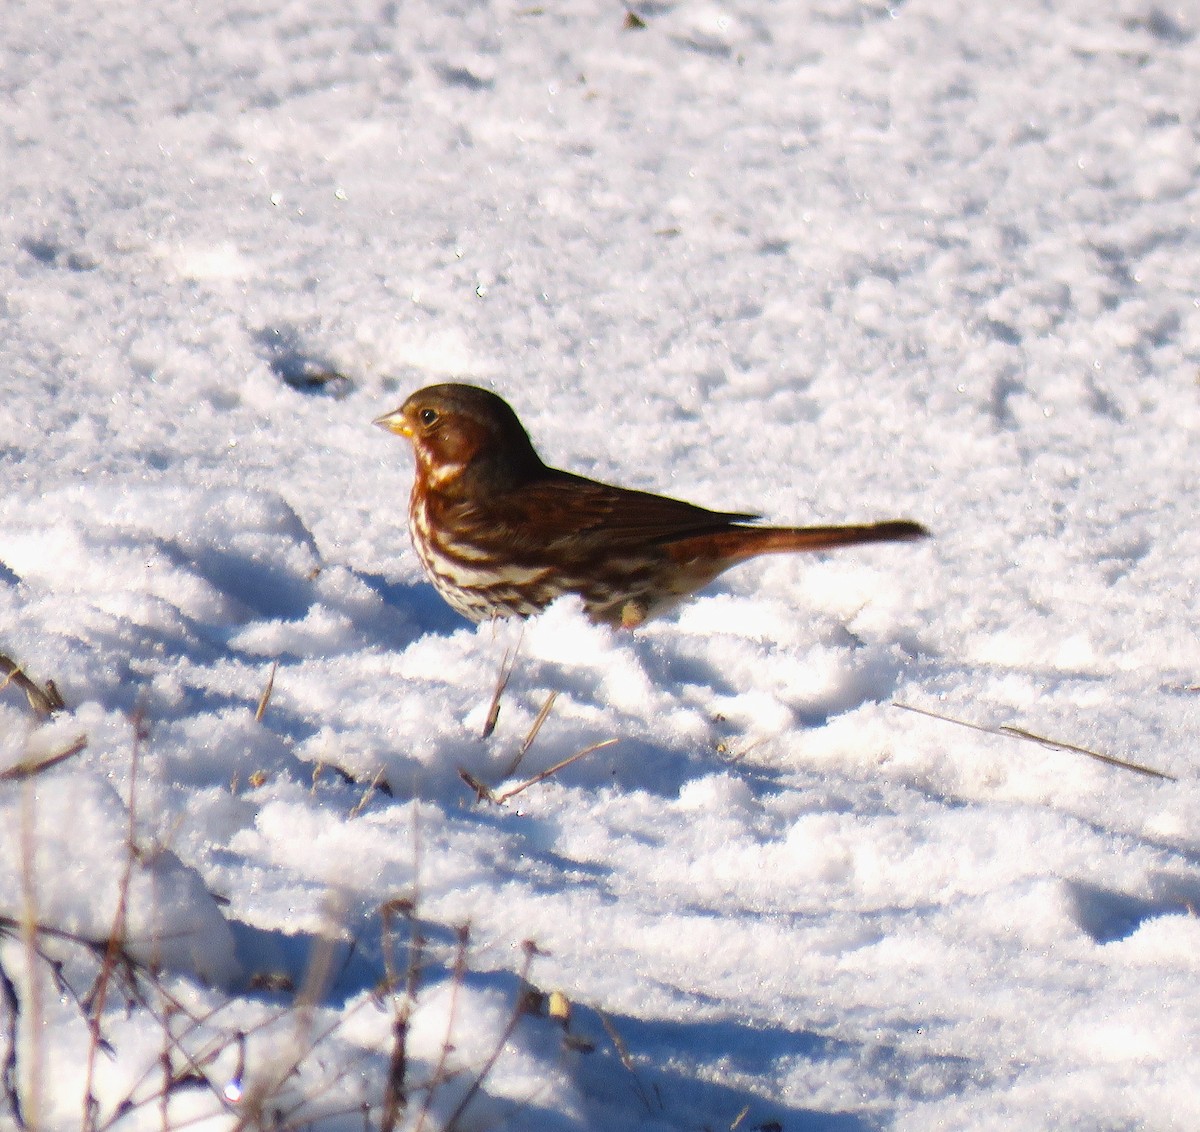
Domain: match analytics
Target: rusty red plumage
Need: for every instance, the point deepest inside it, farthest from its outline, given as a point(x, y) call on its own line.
point(502, 534)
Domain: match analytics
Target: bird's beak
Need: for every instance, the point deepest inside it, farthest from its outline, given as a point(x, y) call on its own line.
point(394, 422)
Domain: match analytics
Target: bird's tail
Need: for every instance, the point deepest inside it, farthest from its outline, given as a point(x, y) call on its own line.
point(740, 543)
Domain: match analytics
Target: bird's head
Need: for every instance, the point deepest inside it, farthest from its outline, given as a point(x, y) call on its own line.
point(464, 436)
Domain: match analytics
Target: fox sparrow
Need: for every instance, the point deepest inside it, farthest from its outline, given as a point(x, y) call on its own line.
point(501, 534)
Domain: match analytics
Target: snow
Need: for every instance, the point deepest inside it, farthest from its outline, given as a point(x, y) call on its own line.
point(828, 261)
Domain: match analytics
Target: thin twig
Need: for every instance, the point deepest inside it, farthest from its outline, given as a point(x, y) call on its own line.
point(317, 976)
point(192, 1070)
point(626, 1059)
point(292, 1118)
point(29, 939)
point(395, 1096)
point(1052, 744)
point(456, 981)
point(12, 1004)
point(417, 941)
point(395, 1093)
point(520, 1009)
point(168, 1072)
point(116, 938)
point(190, 1073)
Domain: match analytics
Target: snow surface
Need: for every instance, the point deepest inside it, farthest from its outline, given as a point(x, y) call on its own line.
point(827, 260)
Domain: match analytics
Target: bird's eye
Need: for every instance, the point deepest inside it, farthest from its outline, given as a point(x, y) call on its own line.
point(428, 416)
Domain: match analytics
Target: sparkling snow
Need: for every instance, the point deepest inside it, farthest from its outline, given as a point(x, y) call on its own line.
point(830, 261)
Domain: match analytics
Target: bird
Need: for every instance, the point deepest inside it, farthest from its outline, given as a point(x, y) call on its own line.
point(502, 534)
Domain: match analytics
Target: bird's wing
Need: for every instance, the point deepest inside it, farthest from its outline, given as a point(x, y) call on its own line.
point(562, 505)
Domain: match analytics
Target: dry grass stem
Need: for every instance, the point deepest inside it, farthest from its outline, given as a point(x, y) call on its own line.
point(732, 758)
point(502, 678)
point(395, 1094)
point(484, 793)
point(440, 1074)
point(265, 698)
point(1043, 741)
point(8, 1072)
point(253, 1105)
point(532, 734)
point(283, 1078)
point(168, 1073)
point(626, 1059)
point(377, 784)
point(192, 1069)
point(114, 952)
point(195, 1054)
point(30, 768)
point(29, 938)
point(181, 1065)
point(43, 701)
point(520, 1009)
point(550, 772)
